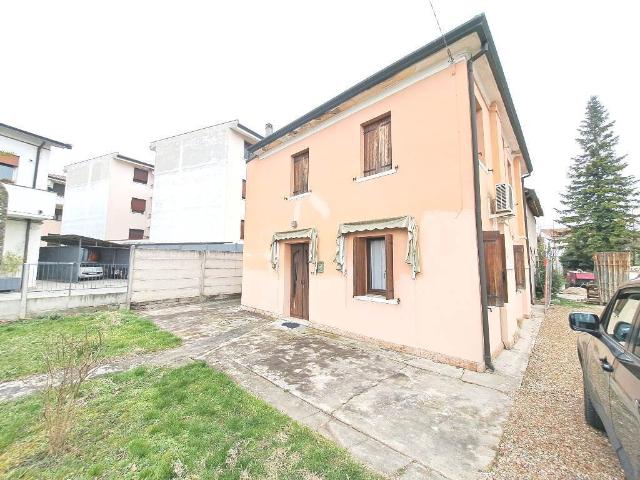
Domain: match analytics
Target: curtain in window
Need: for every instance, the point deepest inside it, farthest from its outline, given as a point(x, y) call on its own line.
point(310, 233)
point(377, 264)
point(412, 256)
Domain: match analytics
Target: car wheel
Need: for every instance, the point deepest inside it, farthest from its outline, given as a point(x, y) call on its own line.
point(590, 414)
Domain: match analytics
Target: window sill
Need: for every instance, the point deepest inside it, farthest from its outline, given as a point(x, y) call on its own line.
point(376, 175)
point(377, 299)
point(299, 196)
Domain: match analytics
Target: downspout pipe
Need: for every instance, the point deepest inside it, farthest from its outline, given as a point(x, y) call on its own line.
point(27, 234)
point(486, 344)
point(532, 290)
point(37, 165)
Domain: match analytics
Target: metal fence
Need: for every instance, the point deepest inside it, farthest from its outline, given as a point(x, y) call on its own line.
point(57, 276)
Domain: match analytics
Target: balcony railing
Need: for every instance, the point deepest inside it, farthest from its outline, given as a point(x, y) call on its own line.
point(30, 203)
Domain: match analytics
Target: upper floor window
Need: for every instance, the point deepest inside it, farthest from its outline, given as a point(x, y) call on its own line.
point(244, 189)
point(136, 234)
point(377, 145)
point(7, 172)
point(8, 166)
point(301, 173)
point(138, 205)
point(140, 175)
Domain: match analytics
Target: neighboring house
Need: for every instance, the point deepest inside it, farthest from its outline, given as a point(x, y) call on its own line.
point(24, 167)
point(554, 246)
point(533, 210)
point(108, 198)
point(198, 193)
point(395, 210)
point(56, 184)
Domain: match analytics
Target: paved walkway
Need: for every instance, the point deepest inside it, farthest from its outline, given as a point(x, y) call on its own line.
point(404, 416)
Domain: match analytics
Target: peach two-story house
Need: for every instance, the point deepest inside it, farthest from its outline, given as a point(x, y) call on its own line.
point(395, 211)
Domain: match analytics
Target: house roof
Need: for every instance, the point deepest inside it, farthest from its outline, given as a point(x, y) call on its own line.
point(58, 178)
point(115, 155)
point(133, 160)
point(78, 240)
point(533, 202)
point(477, 25)
point(249, 131)
point(555, 233)
point(55, 143)
point(237, 123)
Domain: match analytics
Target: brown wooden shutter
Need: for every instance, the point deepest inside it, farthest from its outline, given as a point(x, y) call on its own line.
point(384, 140)
point(241, 229)
point(388, 246)
point(138, 205)
point(495, 268)
point(359, 266)
point(301, 173)
point(370, 145)
point(504, 289)
point(244, 189)
point(377, 146)
point(518, 260)
point(140, 175)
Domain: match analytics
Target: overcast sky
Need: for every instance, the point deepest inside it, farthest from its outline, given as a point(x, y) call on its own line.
point(113, 76)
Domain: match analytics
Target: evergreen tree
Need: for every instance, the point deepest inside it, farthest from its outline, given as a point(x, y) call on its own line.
point(599, 203)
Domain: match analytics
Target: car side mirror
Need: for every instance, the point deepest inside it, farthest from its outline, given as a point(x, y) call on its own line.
point(584, 322)
point(622, 331)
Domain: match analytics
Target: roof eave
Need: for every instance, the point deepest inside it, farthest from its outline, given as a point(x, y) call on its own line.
point(477, 25)
point(54, 143)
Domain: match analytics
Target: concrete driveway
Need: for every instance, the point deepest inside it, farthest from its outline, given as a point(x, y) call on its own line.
point(402, 415)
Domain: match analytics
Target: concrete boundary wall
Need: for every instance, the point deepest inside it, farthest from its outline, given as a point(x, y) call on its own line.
point(163, 274)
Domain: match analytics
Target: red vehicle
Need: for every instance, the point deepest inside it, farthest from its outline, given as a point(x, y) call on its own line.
point(579, 278)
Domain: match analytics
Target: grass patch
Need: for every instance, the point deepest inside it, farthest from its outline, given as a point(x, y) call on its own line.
point(563, 302)
point(157, 423)
point(23, 342)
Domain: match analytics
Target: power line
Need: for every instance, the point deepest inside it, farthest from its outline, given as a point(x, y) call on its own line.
point(444, 40)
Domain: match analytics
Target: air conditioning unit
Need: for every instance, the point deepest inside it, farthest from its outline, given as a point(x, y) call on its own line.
point(504, 198)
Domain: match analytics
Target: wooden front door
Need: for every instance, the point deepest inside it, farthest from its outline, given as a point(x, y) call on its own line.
point(300, 280)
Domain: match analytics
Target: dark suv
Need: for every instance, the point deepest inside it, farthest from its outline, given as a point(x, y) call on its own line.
point(610, 360)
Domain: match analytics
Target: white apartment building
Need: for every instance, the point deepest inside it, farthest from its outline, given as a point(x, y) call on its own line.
point(56, 184)
point(108, 198)
point(25, 202)
point(198, 193)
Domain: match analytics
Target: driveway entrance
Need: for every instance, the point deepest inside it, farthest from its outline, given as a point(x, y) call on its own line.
point(404, 416)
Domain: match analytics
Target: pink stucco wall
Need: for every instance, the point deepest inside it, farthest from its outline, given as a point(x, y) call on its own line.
point(439, 312)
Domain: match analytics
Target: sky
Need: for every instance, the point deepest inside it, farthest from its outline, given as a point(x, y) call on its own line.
point(114, 76)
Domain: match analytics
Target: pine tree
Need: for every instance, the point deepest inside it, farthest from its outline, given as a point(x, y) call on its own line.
point(600, 201)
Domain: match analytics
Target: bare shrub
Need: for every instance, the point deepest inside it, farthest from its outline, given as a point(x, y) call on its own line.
point(69, 360)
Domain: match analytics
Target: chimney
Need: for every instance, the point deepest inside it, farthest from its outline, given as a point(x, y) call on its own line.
point(268, 129)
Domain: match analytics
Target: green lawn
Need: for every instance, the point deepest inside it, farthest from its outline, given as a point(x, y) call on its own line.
point(155, 423)
point(22, 343)
point(563, 302)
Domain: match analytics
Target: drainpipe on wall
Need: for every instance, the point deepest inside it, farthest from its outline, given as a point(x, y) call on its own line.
point(532, 290)
point(486, 344)
point(27, 233)
point(37, 166)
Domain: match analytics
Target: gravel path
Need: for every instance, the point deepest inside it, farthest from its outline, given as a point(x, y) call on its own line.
point(546, 436)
